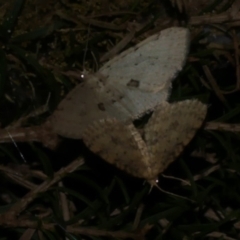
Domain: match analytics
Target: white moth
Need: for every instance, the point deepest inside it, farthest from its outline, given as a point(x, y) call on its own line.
point(101, 110)
point(147, 154)
point(126, 87)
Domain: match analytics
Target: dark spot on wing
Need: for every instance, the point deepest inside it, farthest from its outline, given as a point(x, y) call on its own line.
point(133, 83)
point(101, 107)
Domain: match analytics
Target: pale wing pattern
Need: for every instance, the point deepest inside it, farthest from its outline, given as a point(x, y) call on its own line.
point(144, 73)
point(170, 129)
point(127, 87)
point(75, 112)
point(89, 102)
point(152, 63)
point(120, 145)
point(86, 103)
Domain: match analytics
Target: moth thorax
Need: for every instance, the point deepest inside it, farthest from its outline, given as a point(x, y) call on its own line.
point(96, 81)
point(153, 182)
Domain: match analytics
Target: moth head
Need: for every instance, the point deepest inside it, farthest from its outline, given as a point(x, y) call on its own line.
point(153, 182)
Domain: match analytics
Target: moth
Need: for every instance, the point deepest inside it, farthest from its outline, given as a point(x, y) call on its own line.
point(102, 108)
point(126, 87)
point(147, 154)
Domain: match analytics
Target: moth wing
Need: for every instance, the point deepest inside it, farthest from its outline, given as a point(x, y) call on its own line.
point(113, 91)
point(152, 63)
point(91, 101)
point(170, 129)
point(88, 102)
point(144, 73)
point(120, 145)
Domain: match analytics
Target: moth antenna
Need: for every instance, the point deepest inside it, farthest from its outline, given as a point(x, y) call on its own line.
point(154, 184)
point(175, 178)
point(86, 48)
point(85, 54)
point(83, 73)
